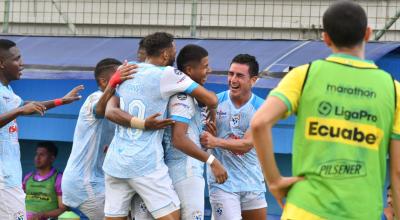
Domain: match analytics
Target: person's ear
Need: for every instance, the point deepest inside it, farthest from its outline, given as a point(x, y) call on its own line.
point(326, 39)
point(368, 33)
point(102, 82)
point(253, 80)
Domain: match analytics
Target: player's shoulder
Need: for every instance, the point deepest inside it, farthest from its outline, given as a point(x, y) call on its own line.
point(257, 101)
point(223, 96)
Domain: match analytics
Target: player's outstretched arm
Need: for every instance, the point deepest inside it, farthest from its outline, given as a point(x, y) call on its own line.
point(187, 146)
point(115, 114)
point(261, 129)
point(123, 73)
point(395, 174)
point(28, 109)
point(205, 96)
point(240, 146)
point(70, 97)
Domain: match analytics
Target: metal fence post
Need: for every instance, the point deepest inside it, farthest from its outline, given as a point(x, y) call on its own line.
point(6, 15)
point(194, 19)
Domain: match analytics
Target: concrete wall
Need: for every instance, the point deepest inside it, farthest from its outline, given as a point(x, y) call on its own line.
point(260, 19)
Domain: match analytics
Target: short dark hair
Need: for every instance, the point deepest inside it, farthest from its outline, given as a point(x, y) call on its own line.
point(50, 147)
point(155, 43)
point(345, 22)
point(250, 61)
point(5, 45)
point(106, 65)
point(190, 54)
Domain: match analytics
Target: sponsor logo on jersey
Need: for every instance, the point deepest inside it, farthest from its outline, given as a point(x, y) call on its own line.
point(181, 79)
point(342, 169)
point(181, 104)
point(221, 114)
point(181, 96)
point(6, 99)
point(351, 91)
point(326, 108)
point(219, 209)
point(197, 215)
point(344, 132)
point(178, 72)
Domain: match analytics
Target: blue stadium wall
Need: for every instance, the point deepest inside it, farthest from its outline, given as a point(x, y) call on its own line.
point(58, 124)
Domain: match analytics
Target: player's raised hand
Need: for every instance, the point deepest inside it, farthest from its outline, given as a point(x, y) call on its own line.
point(126, 71)
point(73, 95)
point(280, 188)
point(152, 123)
point(208, 140)
point(32, 108)
point(219, 171)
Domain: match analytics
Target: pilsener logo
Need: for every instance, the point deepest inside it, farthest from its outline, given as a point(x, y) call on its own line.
point(342, 169)
point(342, 131)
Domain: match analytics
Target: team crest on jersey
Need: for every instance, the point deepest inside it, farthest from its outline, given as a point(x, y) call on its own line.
point(235, 120)
point(181, 96)
point(19, 215)
point(219, 209)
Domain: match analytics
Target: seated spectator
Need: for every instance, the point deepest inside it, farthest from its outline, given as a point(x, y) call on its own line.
point(43, 186)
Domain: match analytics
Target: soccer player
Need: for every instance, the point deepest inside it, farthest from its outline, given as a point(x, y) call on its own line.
point(347, 116)
point(134, 162)
point(183, 154)
point(83, 180)
point(43, 186)
point(12, 197)
point(243, 194)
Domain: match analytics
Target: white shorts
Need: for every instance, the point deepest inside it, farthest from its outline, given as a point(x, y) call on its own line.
point(93, 207)
point(191, 195)
point(12, 204)
point(155, 189)
point(229, 206)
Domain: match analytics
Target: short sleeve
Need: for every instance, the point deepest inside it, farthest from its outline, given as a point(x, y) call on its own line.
point(396, 124)
point(92, 103)
point(174, 81)
point(57, 184)
point(181, 108)
point(289, 88)
point(26, 180)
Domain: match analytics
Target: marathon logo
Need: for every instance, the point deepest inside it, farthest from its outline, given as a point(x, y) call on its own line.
point(342, 169)
point(352, 91)
point(342, 131)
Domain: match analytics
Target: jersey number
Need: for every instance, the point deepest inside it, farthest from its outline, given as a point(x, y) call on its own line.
point(133, 133)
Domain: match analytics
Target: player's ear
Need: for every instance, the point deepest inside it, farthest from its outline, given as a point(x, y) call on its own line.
point(253, 80)
point(368, 33)
point(102, 82)
point(326, 39)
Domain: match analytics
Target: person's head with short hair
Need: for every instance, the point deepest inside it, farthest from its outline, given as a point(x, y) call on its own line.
point(193, 60)
point(242, 75)
point(46, 153)
point(141, 52)
point(10, 62)
point(160, 48)
point(345, 25)
point(104, 70)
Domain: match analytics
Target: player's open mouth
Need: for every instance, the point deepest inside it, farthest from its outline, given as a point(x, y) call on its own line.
point(235, 87)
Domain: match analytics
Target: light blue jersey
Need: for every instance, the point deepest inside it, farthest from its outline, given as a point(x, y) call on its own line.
point(135, 152)
point(10, 156)
point(183, 108)
point(83, 174)
point(244, 172)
